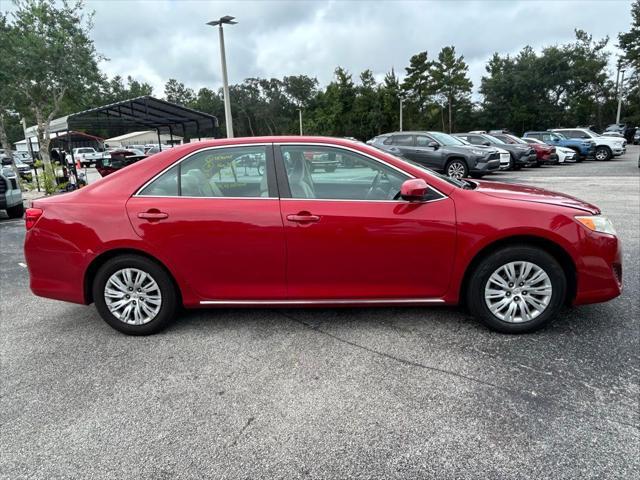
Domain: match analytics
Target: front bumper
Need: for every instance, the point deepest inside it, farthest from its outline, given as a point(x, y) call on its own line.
point(486, 165)
point(505, 161)
point(550, 158)
point(619, 151)
point(600, 274)
point(526, 160)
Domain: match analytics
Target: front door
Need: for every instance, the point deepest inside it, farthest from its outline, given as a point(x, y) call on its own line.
point(348, 237)
point(214, 218)
point(427, 154)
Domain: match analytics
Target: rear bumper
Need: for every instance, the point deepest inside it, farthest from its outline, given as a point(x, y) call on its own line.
point(599, 278)
point(54, 272)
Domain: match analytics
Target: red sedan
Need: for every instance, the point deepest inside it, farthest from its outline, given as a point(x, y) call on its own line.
point(244, 222)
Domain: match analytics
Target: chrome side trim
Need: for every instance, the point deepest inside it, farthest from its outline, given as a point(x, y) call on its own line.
point(399, 202)
point(137, 194)
point(325, 302)
point(206, 198)
point(366, 155)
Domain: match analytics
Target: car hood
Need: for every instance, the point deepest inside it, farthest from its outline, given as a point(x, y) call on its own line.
point(526, 193)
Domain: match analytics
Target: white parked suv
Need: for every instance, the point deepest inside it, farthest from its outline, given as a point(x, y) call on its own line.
point(606, 147)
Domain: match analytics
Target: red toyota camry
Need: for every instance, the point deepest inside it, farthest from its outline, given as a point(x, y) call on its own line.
point(251, 222)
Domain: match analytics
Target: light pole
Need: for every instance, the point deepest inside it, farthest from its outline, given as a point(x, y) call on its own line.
point(620, 96)
point(300, 112)
point(401, 100)
point(225, 81)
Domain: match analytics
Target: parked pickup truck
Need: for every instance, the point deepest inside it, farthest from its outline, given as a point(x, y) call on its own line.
point(583, 147)
point(605, 147)
point(87, 155)
point(10, 194)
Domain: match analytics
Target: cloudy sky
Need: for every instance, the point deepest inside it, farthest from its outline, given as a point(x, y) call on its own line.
point(154, 40)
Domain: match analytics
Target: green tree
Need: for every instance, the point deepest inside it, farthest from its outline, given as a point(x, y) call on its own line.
point(54, 59)
point(450, 80)
point(390, 93)
point(7, 86)
point(418, 88)
point(176, 92)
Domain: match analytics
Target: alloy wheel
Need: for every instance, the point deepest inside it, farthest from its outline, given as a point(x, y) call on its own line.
point(133, 296)
point(518, 292)
point(602, 154)
point(456, 170)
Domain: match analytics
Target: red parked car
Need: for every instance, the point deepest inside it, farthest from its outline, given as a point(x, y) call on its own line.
point(545, 154)
point(191, 227)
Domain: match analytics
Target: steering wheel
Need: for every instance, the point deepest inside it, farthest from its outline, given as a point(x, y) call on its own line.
point(374, 185)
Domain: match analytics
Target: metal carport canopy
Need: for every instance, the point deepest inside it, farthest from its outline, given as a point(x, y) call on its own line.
point(141, 113)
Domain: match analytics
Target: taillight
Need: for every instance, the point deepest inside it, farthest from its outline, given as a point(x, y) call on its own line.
point(31, 217)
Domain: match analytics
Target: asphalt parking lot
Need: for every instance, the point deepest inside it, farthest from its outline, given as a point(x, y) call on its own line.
point(329, 393)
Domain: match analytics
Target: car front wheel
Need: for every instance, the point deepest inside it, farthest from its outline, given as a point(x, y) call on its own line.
point(517, 289)
point(135, 295)
point(603, 153)
point(457, 169)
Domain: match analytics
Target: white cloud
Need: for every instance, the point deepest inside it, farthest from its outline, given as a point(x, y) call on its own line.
point(155, 40)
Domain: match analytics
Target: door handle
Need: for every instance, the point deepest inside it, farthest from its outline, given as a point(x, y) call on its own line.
point(153, 215)
point(303, 217)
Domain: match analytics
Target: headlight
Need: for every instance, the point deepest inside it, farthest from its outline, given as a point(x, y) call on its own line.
point(479, 152)
point(597, 223)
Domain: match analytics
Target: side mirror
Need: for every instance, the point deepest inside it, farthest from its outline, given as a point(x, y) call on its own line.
point(414, 190)
point(434, 145)
point(486, 143)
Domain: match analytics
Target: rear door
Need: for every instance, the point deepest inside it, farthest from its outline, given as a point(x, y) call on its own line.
point(214, 218)
point(348, 237)
point(403, 145)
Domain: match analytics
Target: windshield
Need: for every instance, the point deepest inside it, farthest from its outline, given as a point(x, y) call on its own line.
point(446, 140)
point(516, 139)
point(591, 133)
point(493, 139)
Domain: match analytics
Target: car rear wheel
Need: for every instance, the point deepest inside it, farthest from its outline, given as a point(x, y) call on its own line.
point(135, 295)
point(517, 289)
point(457, 169)
point(603, 154)
point(17, 211)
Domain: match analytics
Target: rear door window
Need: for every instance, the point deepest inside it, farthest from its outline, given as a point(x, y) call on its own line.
point(403, 140)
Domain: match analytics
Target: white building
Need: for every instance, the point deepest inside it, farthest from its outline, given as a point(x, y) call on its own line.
point(22, 146)
point(140, 138)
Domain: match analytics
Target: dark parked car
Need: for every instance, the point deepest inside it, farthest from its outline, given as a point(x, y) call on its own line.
point(545, 154)
point(118, 159)
point(441, 152)
point(521, 155)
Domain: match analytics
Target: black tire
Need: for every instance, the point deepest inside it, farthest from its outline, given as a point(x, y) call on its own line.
point(480, 276)
point(604, 153)
point(578, 154)
point(17, 211)
point(459, 166)
point(167, 287)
